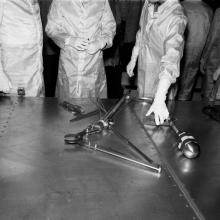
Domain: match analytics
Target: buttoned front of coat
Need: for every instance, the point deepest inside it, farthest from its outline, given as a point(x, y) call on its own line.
point(81, 75)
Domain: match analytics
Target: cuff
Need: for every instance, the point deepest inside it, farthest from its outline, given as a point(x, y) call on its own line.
point(162, 90)
point(67, 41)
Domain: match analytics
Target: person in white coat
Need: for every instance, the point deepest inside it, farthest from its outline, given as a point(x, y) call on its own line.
point(20, 47)
point(82, 29)
point(158, 48)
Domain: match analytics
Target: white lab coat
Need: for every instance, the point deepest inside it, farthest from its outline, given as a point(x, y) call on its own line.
point(159, 45)
point(21, 45)
point(81, 75)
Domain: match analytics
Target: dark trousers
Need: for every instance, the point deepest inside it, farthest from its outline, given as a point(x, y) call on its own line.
point(50, 74)
point(114, 88)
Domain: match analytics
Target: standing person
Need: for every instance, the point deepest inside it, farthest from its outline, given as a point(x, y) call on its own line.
point(199, 16)
point(158, 48)
point(21, 47)
point(82, 29)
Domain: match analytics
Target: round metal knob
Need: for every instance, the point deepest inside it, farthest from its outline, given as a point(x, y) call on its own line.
point(191, 149)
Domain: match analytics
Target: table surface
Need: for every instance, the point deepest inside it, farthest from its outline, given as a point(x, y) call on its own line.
point(43, 178)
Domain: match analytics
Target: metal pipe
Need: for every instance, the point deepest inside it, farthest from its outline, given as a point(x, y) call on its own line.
point(173, 126)
point(156, 168)
point(187, 143)
point(111, 112)
point(145, 157)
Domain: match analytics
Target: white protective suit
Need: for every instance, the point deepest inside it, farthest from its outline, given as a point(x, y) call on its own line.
point(159, 46)
point(21, 45)
point(81, 75)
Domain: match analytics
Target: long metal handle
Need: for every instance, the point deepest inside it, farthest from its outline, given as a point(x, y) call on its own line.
point(156, 168)
point(173, 126)
point(132, 146)
point(111, 112)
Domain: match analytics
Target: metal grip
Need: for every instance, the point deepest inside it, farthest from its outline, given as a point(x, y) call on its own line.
point(111, 113)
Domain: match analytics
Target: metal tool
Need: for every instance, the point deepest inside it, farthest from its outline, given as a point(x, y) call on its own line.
point(75, 109)
point(187, 143)
point(100, 109)
point(152, 166)
point(82, 116)
point(105, 122)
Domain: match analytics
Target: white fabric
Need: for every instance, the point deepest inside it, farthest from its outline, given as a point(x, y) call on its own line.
point(159, 107)
point(159, 48)
point(21, 45)
point(159, 45)
point(216, 74)
point(81, 74)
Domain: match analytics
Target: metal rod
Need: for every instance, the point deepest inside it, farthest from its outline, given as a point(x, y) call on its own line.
point(173, 126)
point(82, 116)
point(132, 146)
point(156, 168)
point(111, 112)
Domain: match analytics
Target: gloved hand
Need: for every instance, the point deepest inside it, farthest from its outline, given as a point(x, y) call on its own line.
point(79, 44)
point(131, 65)
point(5, 84)
point(95, 46)
point(216, 74)
point(160, 111)
point(130, 68)
point(159, 107)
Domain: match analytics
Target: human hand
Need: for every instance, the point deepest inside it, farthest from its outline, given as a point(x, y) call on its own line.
point(160, 111)
point(95, 46)
point(79, 44)
point(130, 68)
point(5, 84)
point(216, 74)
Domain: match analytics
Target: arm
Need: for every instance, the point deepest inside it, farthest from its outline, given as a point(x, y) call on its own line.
point(136, 48)
point(173, 46)
point(108, 26)
point(108, 29)
point(55, 28)
point(5, 84)
point(135, 51)
point(169, 68)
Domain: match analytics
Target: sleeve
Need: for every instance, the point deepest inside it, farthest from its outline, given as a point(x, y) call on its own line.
point(54, 27)
point(108, 26)
point(4, 80)
point(173, 46)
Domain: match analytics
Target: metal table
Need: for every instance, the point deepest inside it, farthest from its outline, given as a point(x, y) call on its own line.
point(42, 178)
